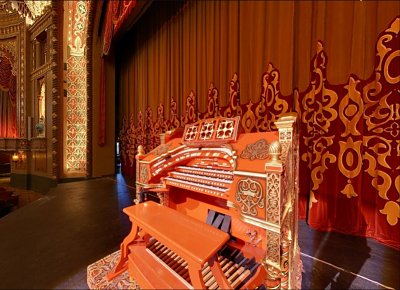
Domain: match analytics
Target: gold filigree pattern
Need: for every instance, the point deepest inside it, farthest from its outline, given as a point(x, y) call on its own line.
point(271, 99)
point(376, 155)
point(140, 135)
point(257, 150)
point(212, 104)
point(272, 198)
point(248, 119)
point(152, 141)
point(144, 173)
point(162, 149)
point(321, 157)
point(174, 121)
point(190, 115)
point(132, 141)
point(159, 126)
point(351, 160)
point(273, 248)
point(234, 108)
point(250, 195)
point(351, 109)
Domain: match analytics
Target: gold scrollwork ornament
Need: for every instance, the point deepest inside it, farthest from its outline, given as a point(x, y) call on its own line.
point(250, 195)
point(350, 162)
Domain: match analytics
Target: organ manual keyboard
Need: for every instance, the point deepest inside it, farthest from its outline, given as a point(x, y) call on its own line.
point(226, 215)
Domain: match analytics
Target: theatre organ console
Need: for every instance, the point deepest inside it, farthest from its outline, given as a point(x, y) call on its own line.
point(216, 208)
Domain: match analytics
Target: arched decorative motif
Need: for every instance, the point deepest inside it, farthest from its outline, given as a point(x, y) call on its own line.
point(349, 132)
point(12, 63)
point(8, 118)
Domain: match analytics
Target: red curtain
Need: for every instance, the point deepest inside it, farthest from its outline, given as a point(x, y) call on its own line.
point(348, 107)
point(350, 146)
point(8, 120)
point(116, 14)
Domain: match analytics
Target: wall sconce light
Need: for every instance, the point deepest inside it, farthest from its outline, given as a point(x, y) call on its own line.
point(17, 157)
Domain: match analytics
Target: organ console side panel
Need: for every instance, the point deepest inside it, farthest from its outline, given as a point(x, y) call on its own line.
point(216, 186)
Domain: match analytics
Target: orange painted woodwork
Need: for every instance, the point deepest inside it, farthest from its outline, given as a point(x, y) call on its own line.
point(193, 240)
point(227, 212)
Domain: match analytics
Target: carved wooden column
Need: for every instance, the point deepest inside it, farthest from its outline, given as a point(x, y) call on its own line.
point(282, 258)
point(274, 171)
point(139, 186)
point(290, 248)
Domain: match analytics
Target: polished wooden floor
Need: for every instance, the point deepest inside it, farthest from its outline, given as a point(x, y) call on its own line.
point(49, 243)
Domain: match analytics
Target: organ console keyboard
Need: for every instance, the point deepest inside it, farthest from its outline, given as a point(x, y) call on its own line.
point(226, 215)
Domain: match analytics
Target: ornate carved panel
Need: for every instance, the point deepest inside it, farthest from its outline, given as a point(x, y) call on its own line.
point(272, 198)
point(257, 150)
point(250, 195)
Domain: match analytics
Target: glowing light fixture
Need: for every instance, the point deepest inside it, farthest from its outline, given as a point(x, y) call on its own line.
point(17, 157)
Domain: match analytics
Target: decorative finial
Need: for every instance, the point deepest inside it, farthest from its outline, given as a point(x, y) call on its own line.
point(275, 151)
point(140, 150)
